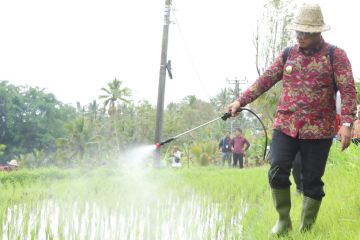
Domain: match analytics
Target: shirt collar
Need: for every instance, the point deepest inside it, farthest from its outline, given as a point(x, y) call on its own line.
point(314, 49)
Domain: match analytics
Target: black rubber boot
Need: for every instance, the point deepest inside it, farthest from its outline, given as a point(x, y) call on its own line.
point(310, 209)
point(282, 203)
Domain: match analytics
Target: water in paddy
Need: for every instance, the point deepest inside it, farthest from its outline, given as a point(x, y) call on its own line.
point(164, 219)
point(129, 204)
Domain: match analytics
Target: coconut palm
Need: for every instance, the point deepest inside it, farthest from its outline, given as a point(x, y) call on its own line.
point(114, 94)
point(80, 139)
point(223, 99)
point(93, 110)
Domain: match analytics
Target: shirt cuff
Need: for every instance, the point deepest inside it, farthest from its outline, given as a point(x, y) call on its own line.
point(347, 119)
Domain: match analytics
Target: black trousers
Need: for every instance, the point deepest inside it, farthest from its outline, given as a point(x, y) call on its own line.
point(296, 171)
point(314, 154)
point(236, 158)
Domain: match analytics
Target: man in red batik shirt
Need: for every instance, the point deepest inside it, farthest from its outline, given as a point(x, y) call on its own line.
point(238, 148)
point(306, 113)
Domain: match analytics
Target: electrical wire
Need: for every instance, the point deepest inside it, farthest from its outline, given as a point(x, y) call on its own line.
point(190, 57)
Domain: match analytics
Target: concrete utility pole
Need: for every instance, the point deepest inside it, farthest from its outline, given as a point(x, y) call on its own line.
point(237, 83)
point(236, 96)
point(162, 77)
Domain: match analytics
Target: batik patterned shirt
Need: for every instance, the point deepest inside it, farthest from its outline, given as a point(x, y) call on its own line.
point(306, 105)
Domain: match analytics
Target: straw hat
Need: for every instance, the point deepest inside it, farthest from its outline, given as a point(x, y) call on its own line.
point(309, 19)
point(13, 163)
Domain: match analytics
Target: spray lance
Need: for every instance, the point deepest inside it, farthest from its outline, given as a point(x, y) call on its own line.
point(223, 117)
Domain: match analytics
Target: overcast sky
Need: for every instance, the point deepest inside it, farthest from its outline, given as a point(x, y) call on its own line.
point(74, 47)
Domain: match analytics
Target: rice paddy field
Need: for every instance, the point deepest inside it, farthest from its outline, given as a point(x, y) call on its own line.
point(187, 203)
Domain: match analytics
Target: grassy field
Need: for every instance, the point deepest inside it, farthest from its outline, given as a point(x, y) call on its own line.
point(339, 214)
point(194, 203)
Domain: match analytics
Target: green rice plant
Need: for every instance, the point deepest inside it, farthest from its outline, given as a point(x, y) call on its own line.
point(190, 203)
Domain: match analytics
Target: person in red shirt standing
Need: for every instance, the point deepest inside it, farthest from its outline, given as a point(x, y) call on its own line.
point(305, 114)
point(238, 148)
point(337, 122)
point(356, 131)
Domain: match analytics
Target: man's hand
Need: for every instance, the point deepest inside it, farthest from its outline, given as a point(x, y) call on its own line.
point(344, 136)
point(233, 108)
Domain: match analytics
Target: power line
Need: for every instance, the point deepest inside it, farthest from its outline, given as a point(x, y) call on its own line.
point(237, 82)
point(190, 56)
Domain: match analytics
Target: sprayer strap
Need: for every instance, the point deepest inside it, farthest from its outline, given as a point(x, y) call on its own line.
point(285, 55)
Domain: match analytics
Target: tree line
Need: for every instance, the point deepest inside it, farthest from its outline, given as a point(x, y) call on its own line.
point(39, 130)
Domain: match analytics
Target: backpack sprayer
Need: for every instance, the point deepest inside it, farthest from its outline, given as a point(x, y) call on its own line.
point(223, 117)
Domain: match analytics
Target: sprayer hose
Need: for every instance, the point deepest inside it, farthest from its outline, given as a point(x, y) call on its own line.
point(262, 124)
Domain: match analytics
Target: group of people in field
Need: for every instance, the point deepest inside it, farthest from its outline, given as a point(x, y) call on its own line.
point(233, 149)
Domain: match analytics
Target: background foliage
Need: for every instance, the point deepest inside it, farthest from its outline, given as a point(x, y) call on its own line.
point(39, 130)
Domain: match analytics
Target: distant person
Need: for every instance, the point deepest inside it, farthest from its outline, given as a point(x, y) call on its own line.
point(337, 122)
point(225, 148)
point(355, 134)
point(239, 145)
point(176, 155)
point(4, 167)
point(10, 166)
point(13, 164)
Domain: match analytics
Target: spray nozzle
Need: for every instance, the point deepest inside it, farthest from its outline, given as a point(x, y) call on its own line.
point(228, 114)
point(158, 145)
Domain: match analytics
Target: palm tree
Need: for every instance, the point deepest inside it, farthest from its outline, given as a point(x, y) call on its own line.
point(190, 100)
point(225, 97)
point(93, 110)
point(113, 94)
point(79, 140)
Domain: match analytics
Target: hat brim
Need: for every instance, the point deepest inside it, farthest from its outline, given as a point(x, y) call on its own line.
point(309, 29)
